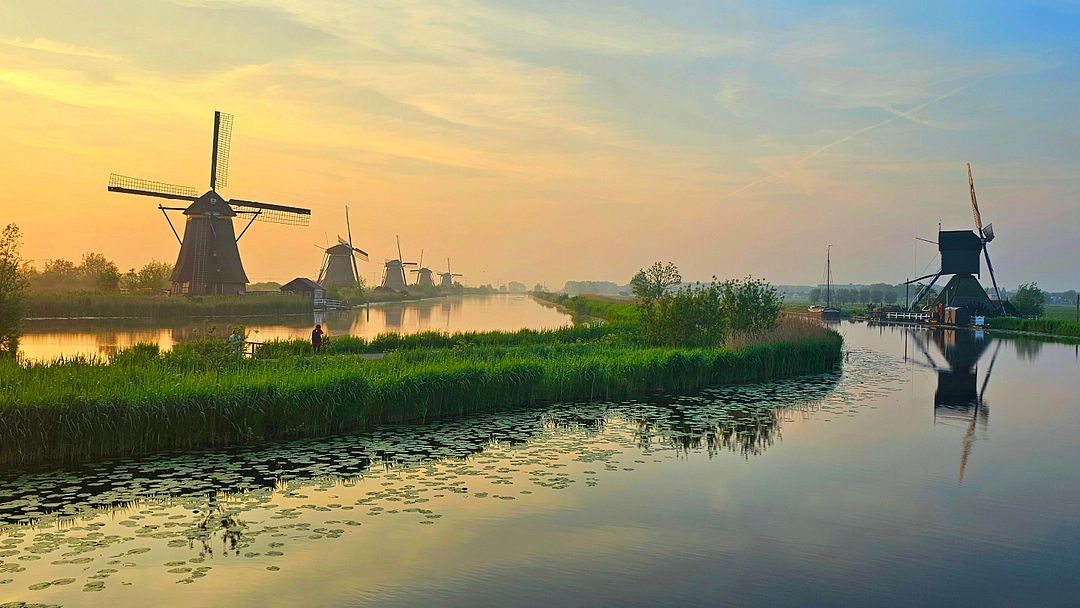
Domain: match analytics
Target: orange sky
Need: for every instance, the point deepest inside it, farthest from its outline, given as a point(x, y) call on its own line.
point(543, 143)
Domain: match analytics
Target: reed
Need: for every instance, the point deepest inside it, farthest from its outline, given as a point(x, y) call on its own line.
point(145, 401)
point(89, 304)
point(1043, 326)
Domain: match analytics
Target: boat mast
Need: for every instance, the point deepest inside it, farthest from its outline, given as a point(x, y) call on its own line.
point(828, 276)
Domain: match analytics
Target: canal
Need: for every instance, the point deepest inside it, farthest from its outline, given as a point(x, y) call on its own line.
point(935, 468)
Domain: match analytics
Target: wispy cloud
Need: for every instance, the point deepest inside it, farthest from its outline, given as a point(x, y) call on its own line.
point(46, 45)
point(798, 165)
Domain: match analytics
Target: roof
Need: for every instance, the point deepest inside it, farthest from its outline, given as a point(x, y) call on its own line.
point(211, 202)
point(301, 284)
point(339, 249)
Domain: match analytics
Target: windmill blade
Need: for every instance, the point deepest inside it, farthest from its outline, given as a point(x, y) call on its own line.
point(974, 203)
point(400, 257)
point(447, 265)
point(219, 159)
point(363, 254)
point(421, 264)
point(989, 370)
point(408, 263)
point(145, 187)
point(993, 277)
point(988, 233)
point(274, 214)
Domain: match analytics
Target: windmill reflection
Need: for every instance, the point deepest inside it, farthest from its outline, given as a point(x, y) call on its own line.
point(959, 397)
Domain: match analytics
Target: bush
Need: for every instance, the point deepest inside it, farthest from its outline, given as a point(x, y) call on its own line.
point(705, 315)
point(1029, 300)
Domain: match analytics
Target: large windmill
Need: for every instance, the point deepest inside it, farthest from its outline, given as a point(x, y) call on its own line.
point(423, 275)
point(446, 279)
point(960, 252)
point(209, 261)
point(394, 277)
point(339, 264)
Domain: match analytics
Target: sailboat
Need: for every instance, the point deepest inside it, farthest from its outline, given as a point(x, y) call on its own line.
point(827, 311)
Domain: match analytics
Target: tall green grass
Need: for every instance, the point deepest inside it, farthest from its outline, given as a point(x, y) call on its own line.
point(88, 304)
point(1044, 326)
point(144, 401)
point(586, 332)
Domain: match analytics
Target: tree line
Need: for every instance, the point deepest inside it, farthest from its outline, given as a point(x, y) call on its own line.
point(95, 272)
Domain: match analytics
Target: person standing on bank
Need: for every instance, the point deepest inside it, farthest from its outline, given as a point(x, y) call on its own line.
point(316, 339)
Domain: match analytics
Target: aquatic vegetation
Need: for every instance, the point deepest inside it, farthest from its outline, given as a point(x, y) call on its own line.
point(80, 409)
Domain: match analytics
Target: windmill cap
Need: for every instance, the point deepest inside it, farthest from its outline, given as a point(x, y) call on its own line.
point(211, 202)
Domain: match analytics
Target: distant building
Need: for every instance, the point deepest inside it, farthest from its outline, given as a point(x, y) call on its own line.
point(305, 287)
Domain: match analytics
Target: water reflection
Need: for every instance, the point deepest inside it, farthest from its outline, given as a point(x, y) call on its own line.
point(48, 339)
point(959, 397)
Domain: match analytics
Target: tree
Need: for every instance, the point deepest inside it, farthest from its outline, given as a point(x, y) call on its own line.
point(750, 305)
point(1030, 300)
point(816, 295)
point(650, 284)
point(103, 273)
point(891, 296)
point(13, 285)
point(154, 276)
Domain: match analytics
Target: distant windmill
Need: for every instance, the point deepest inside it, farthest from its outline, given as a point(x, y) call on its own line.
point(960, 251)
point(209, 261)
point(394, 277)
point(447, 278)
point(423, 275)
point(339, 264)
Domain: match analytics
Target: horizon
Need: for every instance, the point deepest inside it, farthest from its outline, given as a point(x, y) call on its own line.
point(529, 143)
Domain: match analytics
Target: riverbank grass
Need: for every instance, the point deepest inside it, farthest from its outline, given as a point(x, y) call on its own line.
point(203, 393)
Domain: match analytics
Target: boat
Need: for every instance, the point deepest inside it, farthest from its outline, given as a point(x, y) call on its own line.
point(827, 311)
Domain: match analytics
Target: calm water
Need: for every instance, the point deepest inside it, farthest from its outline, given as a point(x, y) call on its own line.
point(907, 479)
point(45, 340)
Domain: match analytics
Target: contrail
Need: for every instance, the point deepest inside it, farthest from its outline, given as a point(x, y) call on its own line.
point(862, 131)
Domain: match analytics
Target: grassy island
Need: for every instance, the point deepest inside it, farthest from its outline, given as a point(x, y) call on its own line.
point(202, 394)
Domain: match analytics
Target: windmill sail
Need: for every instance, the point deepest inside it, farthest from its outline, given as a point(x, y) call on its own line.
point(219, 161)
point(274, 214)
point(145, 187)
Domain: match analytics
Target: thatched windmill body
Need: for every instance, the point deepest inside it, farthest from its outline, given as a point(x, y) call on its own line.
point(446, 279)
point(394, 275)
point(339, 267)
point(209, 260)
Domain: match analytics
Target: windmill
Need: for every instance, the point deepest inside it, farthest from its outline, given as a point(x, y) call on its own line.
point(447, 278)
point(394, 277)
point(423, 275)
point(960, 251)
point(339, 264)
point(209, 260)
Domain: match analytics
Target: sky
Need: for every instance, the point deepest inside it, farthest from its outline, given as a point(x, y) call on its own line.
point(553, 141)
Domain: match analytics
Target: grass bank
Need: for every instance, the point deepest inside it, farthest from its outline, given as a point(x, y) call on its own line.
point(145, 401)
point(1070, 329)
point(89, 304)
point(619, 311)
